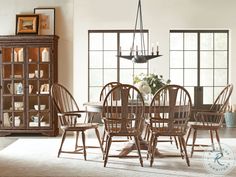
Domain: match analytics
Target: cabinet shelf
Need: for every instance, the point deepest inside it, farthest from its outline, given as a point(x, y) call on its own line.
point(22, 64)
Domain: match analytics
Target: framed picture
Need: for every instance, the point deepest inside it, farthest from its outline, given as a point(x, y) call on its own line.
point(27, 24)
point(46, 20)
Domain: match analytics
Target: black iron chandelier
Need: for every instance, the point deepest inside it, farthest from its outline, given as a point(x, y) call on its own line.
point(140, 56)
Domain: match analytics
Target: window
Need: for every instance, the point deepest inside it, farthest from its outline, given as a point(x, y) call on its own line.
point(199, 61)
point(104, 64)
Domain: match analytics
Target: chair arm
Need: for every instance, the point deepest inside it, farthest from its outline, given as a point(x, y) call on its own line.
point(71, 113)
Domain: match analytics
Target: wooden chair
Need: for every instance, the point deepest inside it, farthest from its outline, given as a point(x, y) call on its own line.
point(169, 114)
point(105, 90)
point(123, 110)
point(68, 114)
point(210, 120)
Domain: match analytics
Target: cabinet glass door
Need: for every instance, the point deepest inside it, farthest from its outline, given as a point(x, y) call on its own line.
point(13, 82)
point(38, 84)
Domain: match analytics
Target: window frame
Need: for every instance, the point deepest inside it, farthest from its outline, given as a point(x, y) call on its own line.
point(199, 102)
point(118, 32)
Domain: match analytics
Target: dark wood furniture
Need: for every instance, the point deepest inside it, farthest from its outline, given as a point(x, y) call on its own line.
point(169, 115)
point(68, 114)
point(123, 114)
point(210, 120)
point(28, 69)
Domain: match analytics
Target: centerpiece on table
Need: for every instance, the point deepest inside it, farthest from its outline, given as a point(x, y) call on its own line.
point(149, 83)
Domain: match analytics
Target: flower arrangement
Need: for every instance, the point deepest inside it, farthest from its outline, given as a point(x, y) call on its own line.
point(154, 82)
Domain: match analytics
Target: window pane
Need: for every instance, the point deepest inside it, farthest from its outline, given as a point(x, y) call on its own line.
point(217, 91)
point(110, 75)
point(190, 77)
point(176, 76)
point(220, 77)
point(126, 76)
point(206, 60)
point(95, 77)
point(207, 95)
point(110, 60)
point(220, 59)
point(95, 59)
point(139, 71)
point(110, 41)
point(190, 59)
point(176, 41)
point(126, 40)
point(206, 41)
point(96, 41)
point(124, 63)
point(140, 65)
point(206, 77)
point(94, 93)
point(191, 92)
point(176, 59)
point(190, 41)
point(220, 41)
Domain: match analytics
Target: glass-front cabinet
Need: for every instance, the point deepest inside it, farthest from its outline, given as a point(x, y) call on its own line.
point(28, 69)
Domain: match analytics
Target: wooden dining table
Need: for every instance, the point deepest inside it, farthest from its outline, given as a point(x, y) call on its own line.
point(95, 108)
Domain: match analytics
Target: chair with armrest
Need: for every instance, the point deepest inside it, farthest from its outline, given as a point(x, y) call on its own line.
point(169, 115)
point(123, 110)
point(69, 114)
point(210, 120)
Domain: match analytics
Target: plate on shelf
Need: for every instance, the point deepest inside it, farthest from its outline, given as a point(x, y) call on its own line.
point(42, 92)
point(33, 124)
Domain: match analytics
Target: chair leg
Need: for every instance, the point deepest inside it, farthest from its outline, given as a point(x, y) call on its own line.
point(99, 140)
point(218, 140)
point(185, 150)
point(150, 147)
point(84, 147)
point(188, 134)
point(62, 142)
point(176, 142)
point(181, 147)
point(153, 150)
point(103, 137)
point(194, 139)
point(212, 141)
point(138, 148)
point(76, 141)
point(108, 145)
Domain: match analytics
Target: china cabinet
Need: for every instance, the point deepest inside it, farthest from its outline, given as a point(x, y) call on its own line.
point(28, 67)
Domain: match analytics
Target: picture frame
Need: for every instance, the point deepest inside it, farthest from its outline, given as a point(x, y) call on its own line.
point(27, 24)
point(46, 20)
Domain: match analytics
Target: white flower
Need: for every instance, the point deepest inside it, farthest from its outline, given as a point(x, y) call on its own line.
point(143, 87)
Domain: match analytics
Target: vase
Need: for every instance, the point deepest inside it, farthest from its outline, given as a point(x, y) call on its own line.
point(230, 119)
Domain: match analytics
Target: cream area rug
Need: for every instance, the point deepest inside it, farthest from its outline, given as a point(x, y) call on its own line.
point(37, 157)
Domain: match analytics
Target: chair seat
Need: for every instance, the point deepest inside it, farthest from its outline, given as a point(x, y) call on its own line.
point(206, 126)
point(131, 132)
point(80, 126)
point(165, 131)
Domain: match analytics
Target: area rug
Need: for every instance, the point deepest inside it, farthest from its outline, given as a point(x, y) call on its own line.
point(37, 157)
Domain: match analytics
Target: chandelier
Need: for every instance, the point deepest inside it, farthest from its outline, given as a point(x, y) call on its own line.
point(139, 56)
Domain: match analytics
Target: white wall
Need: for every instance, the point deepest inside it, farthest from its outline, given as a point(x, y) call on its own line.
point(159, 16)
point(64, 28)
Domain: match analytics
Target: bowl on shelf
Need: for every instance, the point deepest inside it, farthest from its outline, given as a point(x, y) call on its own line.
point(31, 75)
point(18, 104)
point(41, 106)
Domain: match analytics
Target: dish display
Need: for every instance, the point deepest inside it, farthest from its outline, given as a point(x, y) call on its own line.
point(39, 107)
